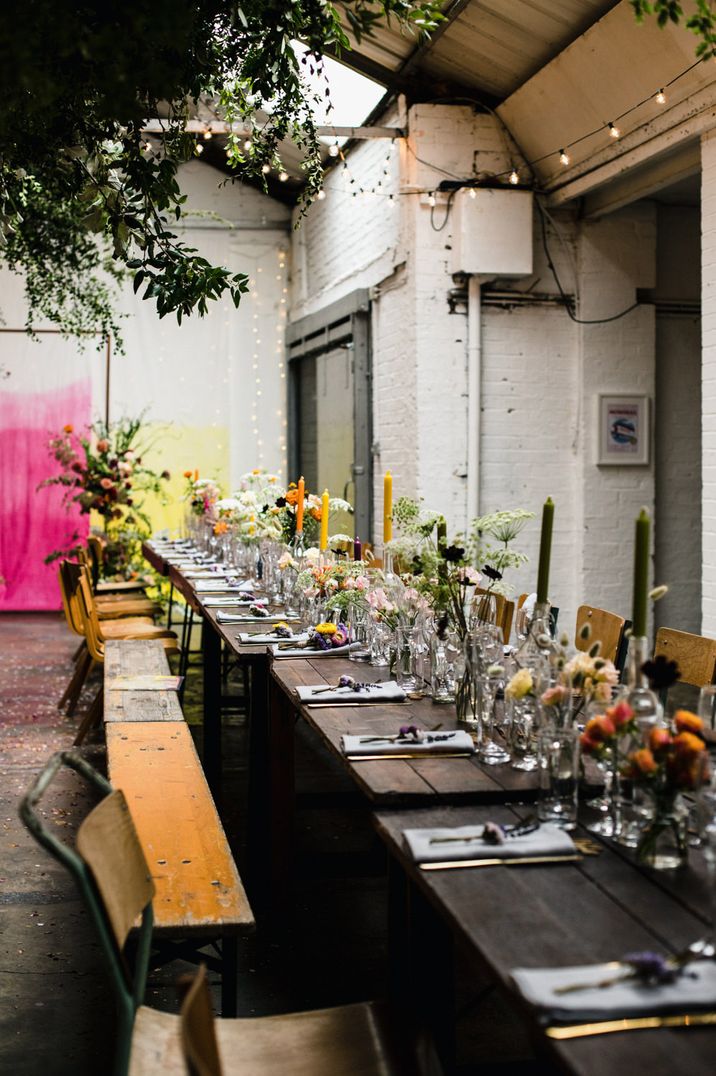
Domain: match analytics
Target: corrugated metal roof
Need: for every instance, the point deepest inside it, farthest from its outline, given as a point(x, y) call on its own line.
point(488, 47)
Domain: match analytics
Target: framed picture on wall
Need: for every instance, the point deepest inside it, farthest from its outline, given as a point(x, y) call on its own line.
point(623, 426)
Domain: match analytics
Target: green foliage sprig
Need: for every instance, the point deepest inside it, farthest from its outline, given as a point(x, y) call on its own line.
point(81, 189)
point(702, 22)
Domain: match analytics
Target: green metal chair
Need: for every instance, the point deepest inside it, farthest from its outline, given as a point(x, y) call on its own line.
point(111, 872)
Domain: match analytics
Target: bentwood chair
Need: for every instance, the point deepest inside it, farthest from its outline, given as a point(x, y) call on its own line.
point(504, 610)
point(109, 867)
point(112, 604)
point(95, 554)
point(607, 628)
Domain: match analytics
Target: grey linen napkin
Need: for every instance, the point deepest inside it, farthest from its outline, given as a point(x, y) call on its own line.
point(228, 600)
point(454, 741)
point(266, 637)
point(248, 618)
point(307, 651)
point(388, 691)
point(548, 840)
point(695, 989)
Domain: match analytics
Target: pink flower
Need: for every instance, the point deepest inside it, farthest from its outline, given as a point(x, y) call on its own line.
point(103, 445)
point(106, 483)
point(554, 696)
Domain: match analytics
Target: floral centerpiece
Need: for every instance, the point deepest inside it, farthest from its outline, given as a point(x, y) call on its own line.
point(580, 679)
point(103, 472)
point(673, 761)
point(284, 508)
point(201, 495)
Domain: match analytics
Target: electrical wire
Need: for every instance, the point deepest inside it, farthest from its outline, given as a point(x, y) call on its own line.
point(564, 296)
point(448, 207)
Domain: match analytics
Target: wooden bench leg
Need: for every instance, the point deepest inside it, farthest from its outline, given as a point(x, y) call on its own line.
point(170, 607)
point(259, 795)
point(229, 975)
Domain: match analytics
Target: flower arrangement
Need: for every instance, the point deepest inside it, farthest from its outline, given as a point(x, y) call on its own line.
point(605, 732)
point(103, 472)
point(284, 508)
point(579, 679)
point(327, 636)
point(201, 494)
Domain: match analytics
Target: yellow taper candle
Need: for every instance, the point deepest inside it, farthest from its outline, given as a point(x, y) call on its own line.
point(387, 507)
point(324, 521)
point(299, 505)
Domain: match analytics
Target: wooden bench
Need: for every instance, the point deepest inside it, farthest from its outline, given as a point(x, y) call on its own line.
point(151, 757)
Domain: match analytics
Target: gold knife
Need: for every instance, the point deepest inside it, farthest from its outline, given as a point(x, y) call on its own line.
point(381, 758)
point(521, 861)
point(634, 1023)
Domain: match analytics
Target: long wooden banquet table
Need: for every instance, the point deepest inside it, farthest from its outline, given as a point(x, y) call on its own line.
point(593, 910)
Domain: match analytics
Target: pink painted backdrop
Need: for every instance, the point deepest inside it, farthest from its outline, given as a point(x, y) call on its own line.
point(33, 523)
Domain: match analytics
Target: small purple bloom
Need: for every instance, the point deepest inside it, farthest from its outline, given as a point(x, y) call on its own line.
point(409, 730)
point(651, 967)
point(493, 833)
point(346, 681)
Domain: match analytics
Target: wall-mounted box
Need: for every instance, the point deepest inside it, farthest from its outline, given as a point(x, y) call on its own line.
point(492, 233)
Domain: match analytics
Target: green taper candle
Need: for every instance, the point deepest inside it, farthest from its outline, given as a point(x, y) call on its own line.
point(545, 550)
point(641, 574)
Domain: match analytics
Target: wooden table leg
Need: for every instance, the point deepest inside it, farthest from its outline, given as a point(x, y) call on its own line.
point(281, 716)
point(259, 795)
point(229, 974)
point(431, 960)
point(211, 652)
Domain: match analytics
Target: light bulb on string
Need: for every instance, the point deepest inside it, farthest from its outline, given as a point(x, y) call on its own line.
point(248, 144)
point(320, 196)
point(283, 176)
point(564, 157)
point(472, 192)
point(614, 130)
point(514, 177)
point(660, 97)
point(208, 135)
point(432, 199)
point(334, 150)
point(198, 149)
point(265, 168)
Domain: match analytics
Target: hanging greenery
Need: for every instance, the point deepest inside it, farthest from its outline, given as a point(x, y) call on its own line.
point(701, 21)
point(83, 194)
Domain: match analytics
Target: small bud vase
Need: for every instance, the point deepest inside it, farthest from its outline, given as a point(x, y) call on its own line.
point(663, 843)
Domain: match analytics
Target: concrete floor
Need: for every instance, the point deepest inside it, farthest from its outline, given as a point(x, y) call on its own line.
point(56, 1012)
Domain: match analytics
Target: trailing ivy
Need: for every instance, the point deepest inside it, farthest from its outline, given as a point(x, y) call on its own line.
point(82, 194)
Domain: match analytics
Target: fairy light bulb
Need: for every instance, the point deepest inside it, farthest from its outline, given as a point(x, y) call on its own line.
point(431, 199)
point(472, 192)
point(320, 196)
point(660, 97)
point(248, 144)
point(265, 168)
point(208, 135)
point(334, 150)
point(614, 130)
point(564, 157)
point(514, 177)
point(283, 176)
point(198, 149)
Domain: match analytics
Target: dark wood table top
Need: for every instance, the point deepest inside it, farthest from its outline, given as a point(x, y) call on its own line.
point(592, 911)
point(394, 781)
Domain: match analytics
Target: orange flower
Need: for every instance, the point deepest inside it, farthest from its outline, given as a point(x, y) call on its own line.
point(688, 765)
point(587, 744)
point(316, 513)
point(659, 739)
point(291, 496)
point(600, 728)
point(643, 762)
point(220, 528)
point(685, 721)
point(187, 474)
point(687, 744)
point(69, 428)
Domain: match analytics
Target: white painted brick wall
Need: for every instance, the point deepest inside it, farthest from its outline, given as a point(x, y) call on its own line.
point(708, 382)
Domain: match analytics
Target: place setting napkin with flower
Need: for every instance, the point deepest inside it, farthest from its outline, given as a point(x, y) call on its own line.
point(227, 600)
point(269, 636)
point(465, 845)
point(287, 650)
point(209, 586)
point(250, 617)
point(351, 691)
point(640, 984)
point(410, 741)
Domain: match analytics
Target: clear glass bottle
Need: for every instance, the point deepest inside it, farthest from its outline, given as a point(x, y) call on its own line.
point(444, 651)
point(524, 710)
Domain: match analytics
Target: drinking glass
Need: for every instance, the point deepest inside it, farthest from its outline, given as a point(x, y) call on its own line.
point(380, 642)
point(358, 634)
point(489, 684)
point(558, 773)
point(707, 705)
point(405, 671)
point(523, 724)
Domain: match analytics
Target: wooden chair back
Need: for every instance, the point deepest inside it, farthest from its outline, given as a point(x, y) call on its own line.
point(109, 845)
point(67, 590)
point(694, 654)
point(95, 552)
point(606, 628)
point(198, 1035)
point(90, 620)
point(504, 610)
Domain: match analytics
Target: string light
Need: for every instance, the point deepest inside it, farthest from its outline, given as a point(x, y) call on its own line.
point(248, 144)
point(208, 135)
point(614, 130)
point(432, 200)
point(514, 177)
point(660, 97)
point(283, 176)
point(334, 150)
point(321, 195)
point(472, 192)
point(564, 158)
point(198, 149)
point(265, 168)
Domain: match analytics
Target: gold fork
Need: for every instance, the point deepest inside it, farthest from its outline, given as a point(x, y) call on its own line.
point(634, 1023)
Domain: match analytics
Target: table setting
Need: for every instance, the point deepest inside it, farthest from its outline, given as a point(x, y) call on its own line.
point(489, 845)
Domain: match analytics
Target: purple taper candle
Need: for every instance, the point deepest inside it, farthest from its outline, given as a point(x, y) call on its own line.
point(357, 550)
